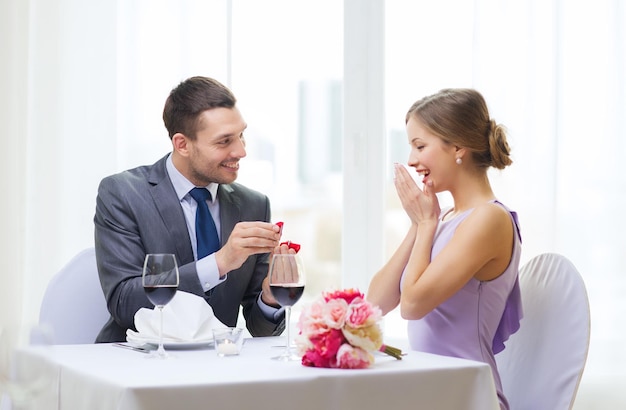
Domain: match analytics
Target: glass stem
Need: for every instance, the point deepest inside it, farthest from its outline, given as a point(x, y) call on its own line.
point(161, 350)
point(288, 325)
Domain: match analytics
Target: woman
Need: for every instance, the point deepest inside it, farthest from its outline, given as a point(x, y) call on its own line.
point(455, 273)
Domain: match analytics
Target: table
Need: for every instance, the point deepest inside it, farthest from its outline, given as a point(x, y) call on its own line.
point(100, 376)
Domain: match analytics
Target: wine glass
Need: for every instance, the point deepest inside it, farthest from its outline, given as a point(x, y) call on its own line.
point(160, 282)
point(287, 280)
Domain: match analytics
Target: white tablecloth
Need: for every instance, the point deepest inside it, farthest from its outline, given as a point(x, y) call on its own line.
point(104, 377)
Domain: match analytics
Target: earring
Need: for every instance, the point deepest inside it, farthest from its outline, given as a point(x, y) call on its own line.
point(459, 161)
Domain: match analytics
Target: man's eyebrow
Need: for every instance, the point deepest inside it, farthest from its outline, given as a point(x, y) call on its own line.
point(230, 134)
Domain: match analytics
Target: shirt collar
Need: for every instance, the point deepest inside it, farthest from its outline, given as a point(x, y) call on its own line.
point(182, 185)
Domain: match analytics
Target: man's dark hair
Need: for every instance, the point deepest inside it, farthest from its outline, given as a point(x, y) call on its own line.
point(189, 99)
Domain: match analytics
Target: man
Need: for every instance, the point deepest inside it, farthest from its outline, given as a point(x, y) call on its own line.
point(150, 209)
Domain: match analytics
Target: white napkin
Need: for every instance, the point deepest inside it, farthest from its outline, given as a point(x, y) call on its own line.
point(186, 319)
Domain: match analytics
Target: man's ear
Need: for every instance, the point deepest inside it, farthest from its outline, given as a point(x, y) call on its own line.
point(180, 144)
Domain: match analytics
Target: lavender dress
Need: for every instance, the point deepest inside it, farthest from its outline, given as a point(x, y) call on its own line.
point(474, 322)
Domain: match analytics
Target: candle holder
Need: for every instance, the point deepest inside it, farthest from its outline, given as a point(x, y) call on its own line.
point(228, 341)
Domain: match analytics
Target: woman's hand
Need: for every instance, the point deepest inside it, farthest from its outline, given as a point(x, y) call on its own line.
point(420, 206)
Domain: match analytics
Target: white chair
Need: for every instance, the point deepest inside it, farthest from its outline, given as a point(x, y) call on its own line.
point(73, 306)
point(543, 362)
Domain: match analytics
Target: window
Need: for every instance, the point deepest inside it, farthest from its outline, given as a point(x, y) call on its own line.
point(287, 73)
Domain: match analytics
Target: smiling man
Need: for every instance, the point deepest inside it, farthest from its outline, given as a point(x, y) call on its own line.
point(154, 209)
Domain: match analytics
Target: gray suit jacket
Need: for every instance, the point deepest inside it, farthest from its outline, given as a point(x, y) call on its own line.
point(138, 212)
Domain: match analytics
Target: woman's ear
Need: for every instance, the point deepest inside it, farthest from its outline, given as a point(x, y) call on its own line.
point(460, 151)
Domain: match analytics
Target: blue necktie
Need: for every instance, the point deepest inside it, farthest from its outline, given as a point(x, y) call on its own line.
point(206, 233)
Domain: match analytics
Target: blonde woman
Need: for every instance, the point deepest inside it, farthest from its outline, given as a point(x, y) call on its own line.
point(455, 274)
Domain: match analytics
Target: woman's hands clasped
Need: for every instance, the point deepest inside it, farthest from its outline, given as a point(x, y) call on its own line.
point(420, 206)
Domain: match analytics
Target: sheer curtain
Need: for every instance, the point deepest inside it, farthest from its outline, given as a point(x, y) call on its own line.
point(87, 83)
point(58, 137)
point(553, 73)
point(84, 84)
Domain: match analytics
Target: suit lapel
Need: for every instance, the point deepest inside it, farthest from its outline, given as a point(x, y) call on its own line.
point(171, 213)
point(230, 211)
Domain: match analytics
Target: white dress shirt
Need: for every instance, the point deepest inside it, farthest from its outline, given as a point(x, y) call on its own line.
point(208, 272)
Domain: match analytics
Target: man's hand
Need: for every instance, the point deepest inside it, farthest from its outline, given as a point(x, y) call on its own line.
point(247, 238)
point(267, 296)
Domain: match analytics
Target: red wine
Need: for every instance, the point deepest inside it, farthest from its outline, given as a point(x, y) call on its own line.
point(287, 295)
point(160, 295)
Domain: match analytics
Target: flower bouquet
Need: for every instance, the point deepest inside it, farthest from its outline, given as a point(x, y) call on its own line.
point(340, 330)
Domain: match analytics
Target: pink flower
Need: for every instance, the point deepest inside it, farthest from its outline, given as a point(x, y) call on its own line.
point(348, 295)
point(312, 320)
point(362, 313)
point(349, 357)
point(335, 313)
point(340, 329)
point(324, 349)
point(312, 358)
